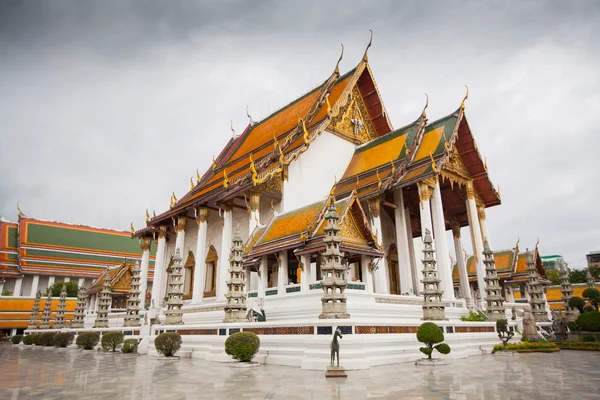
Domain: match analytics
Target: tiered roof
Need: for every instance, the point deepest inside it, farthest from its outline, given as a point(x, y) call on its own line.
point(120, 279)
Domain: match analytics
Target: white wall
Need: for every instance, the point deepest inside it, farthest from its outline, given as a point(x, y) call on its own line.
point(311, 176)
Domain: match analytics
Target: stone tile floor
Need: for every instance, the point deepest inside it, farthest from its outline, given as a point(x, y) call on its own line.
point(38, 373)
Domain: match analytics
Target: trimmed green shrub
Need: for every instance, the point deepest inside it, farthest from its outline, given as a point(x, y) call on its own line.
point(593, 296)
point(16, 339)
point(526, 346)
point(577, 302)
point(588, 338)
point(589, 321)
point(130, 346)
point(111, 340)
point(72, 289)
point(36, 339)
point(579, 345)
point(242, 346)
point(473, 317)
point(572, 325)
point(63, 339)
point(87, 340)
point(503, 333)
point(431, 334)
point(28, 340)
point(47, 338)
point(168, 343)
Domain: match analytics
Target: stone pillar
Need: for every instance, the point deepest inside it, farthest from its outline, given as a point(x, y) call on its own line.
point(103, 303)
point(35, 311)
point(381, 284)
point(263, 279)
point(461, 265)
point(51, 281)
point(1, 287)
point(365, 262)
point(59, 321)
point(282, 273)
point(45, 324)
point(78, 320)
point(226, 237)
point(34, 286)
point(441, 242)
point(495, 309)
point(173, 314)
point(433, 308)
point(536, 293)
point(590, 279)
point(334, 283)
point(476, 239)
point(201, 250)
point(306, 273)
point(254, 212)
point(235, 308)
point(159, 270)
point(404, 265)
point(132, 318)
point(566, 290)
point(411, 254)
point(145, 247)
point(18, 284)
point(483, 224)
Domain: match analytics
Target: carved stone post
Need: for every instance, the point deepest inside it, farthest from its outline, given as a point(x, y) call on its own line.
point(235, 309)
point(59, 322)
point(35, 311)
point(78, 320)
point(433, 308)
point(493, 292)
point(173, 314)
point(132, 318)
point(104, 301)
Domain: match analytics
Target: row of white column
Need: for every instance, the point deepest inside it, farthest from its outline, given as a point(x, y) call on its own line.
point(431, 218)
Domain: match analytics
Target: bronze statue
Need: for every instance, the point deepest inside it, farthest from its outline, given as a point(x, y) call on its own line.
point(335, 347)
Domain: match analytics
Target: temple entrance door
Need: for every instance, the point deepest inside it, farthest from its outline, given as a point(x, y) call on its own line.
point(210, 279)
point(392, 258)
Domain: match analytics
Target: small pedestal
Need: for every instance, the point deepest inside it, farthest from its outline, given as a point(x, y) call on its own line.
point(426, 362)
point(335, 372)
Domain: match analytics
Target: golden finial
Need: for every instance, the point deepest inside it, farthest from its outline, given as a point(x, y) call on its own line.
point(272, 206)
point(424, 113)
point(197, 177)
point(445, 141)
point(499, 192)
point(518, 241)
point(191, 183)
point(171, 203)
point(462, 105)
point(225, 179)
point(366, 57)
point(433, 166)
point(357, 181)
point(337, 66)
point(306, 140)
point(174, 198)
point(132, 229)
point(485, 163)
point(214, 164)
point(253, 170)
point(147, 216)
point(378, 179)
point(328, 105)
point(153, 213)
point(19, 212)
point(332, 191)
point(232, 130)
point(249, 117)
point(393, 168)
point(537, 243)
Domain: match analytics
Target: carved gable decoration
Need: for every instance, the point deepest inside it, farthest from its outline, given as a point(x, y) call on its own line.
point(190, 262)
point(454, 170)
point(352, 226)
point(353, 122)
point(123, 281)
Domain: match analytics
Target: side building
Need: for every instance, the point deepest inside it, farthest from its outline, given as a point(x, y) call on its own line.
point(35, 254)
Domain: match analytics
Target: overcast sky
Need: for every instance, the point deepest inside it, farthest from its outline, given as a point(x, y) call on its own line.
point(106, 107)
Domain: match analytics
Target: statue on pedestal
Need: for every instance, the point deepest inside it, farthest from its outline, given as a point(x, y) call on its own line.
point(335, 371)
point(529, 327)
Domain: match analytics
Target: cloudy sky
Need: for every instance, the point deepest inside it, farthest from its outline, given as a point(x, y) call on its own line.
point(106, 107)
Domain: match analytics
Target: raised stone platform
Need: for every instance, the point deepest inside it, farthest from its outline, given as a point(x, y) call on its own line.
point(335, 372)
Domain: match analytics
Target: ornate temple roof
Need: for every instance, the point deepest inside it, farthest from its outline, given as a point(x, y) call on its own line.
point(9, 250)
point(120, 279)
point(305, 226)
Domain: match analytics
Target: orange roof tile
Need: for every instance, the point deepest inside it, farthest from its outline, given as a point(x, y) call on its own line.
point(291, 223)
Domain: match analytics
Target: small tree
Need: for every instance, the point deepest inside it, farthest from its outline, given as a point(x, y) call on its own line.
point(503, 333)
point(111, 340)
point(593, 296)
point(242, 346)
point(431, 334)
point(589, 321)
point(577, 302)
point(63, 339)
point(47, 339)
point(87, 340)
point(168, 343)
point(16, 339)
point(72, 289)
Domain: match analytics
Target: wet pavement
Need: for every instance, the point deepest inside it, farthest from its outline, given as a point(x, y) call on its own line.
point(48, 373)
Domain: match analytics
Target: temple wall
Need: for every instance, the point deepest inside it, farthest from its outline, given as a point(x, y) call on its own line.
point(311, 177)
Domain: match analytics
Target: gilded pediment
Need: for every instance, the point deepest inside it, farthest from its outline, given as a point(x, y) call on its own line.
point(353, 122)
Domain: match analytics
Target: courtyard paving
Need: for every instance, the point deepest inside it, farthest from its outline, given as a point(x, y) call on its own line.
point(49, 373)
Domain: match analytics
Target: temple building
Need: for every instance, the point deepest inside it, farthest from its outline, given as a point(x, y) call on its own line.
point(34, 254)
point(274, 181)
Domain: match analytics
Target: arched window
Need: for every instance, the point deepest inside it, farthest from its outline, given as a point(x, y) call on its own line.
point(210, 280)
point(392, 258)
point(188, 276)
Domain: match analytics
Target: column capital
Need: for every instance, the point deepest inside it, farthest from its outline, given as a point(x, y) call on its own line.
point(228, 207)
point(425, 191)
point(470, 190)
point(374, 206)
point(162, 231)
point(201, 214)
point(145, 243)
point(456, 230)
point(481, 213)
point(179, 223)
point(254, 200)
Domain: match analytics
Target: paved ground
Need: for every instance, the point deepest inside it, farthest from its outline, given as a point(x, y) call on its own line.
point(38, 373)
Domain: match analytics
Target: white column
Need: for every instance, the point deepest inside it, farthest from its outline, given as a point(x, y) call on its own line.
point(306, 273)
point(425, 214)
point(34, 285)
point(416, 274)
point(146, 242)
point(254, 212)
point(476, 239)
point(159, 270)
point(461, 264)
point(51, 281)
point(404, 266)
point(282, 273)
point(18, 284)
point(441, 243)
point(483, 225)
point(1, 287)
point(80, 282)
point(67, 279)
point(367, 275)
point(381, 282)
point(263, 278)
point(180, 238)
point(222, 272)
point(201, 252)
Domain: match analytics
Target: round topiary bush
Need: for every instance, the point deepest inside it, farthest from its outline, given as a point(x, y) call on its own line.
point(589, 321)
point(242, 346)
point(63, 339)
point(87, 340)
point(47, 339)
point(168, 343)
point(130, 346)
point(16, 339)
point(577, 302)
point(35, 338)
point(111, 340)
point(28, 340)
point(431, 334)
point(593, 295)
